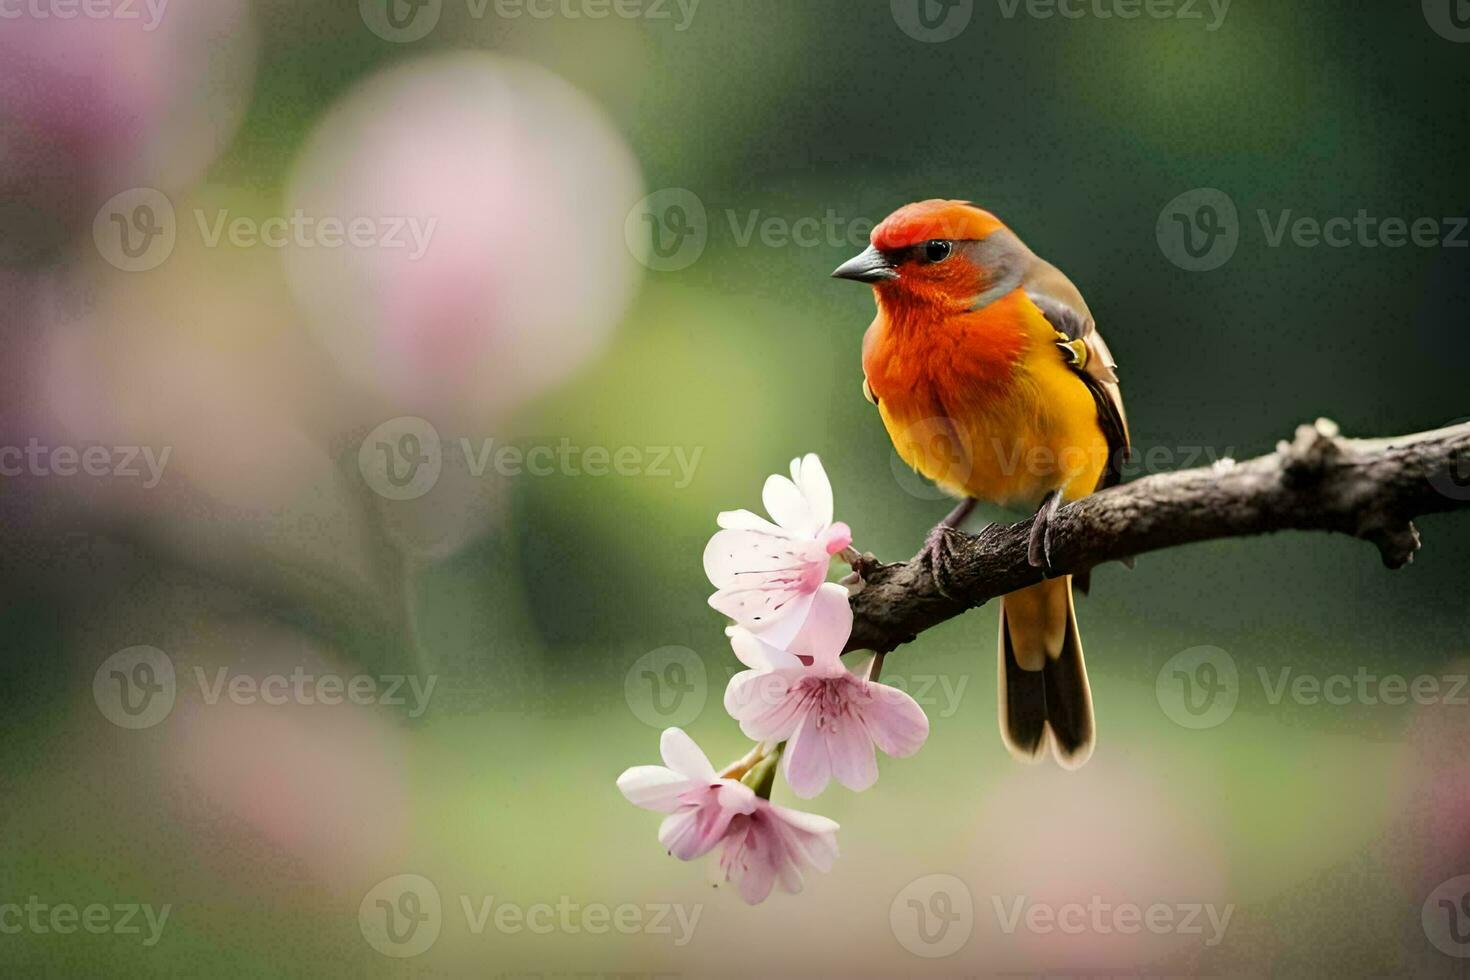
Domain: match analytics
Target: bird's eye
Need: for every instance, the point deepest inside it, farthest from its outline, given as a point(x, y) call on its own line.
point(937, 250)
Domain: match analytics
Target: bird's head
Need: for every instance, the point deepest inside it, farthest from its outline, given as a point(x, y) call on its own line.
point(938, 257)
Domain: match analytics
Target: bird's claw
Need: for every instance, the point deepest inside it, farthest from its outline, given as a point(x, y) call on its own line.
point(939, 555)
point(1043, 534)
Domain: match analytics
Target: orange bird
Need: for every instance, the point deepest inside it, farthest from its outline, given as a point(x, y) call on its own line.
point(993, 381)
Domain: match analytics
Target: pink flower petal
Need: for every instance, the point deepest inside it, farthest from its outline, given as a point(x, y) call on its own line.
point(809, 475)
point(744, 520)
point(774, 844)
point(782, 630)
point(826, 630)
point(763, 703)
point(777, 614)
point(694, 830)
point(753, 651)
point(653, 787)
point(750, 859)
point(807, 823)
point(736, 796)
point(788, 508)
point(684, 757)
point(741, 557)
point(812, 839)
point(806, 763)
point(854, 763)
point(895, 721)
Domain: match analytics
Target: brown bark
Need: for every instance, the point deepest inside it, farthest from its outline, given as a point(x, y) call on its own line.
point(1369, 488)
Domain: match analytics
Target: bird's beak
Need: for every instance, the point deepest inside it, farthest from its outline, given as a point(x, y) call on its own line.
point(869, 265)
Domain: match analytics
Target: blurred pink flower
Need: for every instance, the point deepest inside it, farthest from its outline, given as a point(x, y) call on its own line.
point(699, 804)
point(263, 779)
point(831, 718)
point(90, 107)
point(768, 574)
point(497, 265)
point(1430, 830)
point(771, 845)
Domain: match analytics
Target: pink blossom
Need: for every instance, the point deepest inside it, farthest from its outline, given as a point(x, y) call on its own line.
point(768, 573)
point(771, 845)
point(700, 805)
point(830, 718)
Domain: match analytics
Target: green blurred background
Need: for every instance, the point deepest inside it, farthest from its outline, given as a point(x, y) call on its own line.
point(536, 601)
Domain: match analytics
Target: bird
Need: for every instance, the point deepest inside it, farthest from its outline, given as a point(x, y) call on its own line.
point(992, 380)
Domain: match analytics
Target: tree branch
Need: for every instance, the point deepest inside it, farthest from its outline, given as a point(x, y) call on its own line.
point(1369, 488)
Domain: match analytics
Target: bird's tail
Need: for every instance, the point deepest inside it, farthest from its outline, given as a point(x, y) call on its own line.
point(1043, 691)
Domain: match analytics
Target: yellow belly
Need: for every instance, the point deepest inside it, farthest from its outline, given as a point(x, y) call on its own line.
point(1009, 447)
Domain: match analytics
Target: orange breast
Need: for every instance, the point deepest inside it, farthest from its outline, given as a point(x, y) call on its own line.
point(984, 404)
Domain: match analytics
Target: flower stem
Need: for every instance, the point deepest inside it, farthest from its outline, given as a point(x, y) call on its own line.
point(762, 775)
point(741, 766)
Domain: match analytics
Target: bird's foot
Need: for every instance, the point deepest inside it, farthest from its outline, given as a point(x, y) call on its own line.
point(1043, 533)
point(939, 553)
